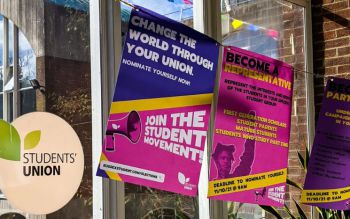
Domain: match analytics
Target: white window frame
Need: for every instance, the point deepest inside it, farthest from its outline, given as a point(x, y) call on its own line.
point(108, 196)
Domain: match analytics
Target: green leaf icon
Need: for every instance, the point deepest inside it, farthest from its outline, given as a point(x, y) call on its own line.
point(32, 139)
point(10, 142)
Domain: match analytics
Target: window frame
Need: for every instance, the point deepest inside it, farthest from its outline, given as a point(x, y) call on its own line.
point(106, 47)
point(6, 68)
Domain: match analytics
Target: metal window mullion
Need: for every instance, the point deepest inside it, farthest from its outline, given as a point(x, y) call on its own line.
point(16, 99)
point(5, 67)
point(212, 27)
point(203, 202)
point(113, 192)
point(309, 84)
point(96, 105)
point(106, 185)
point(116, 57)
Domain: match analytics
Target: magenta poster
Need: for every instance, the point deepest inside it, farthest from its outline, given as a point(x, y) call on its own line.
point(158, 121)
point(249, 154)
point(327, 183)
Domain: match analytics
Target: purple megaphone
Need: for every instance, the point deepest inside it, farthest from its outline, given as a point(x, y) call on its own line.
point(129, 126)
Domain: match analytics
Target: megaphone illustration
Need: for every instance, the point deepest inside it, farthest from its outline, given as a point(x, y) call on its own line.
point(129, 126)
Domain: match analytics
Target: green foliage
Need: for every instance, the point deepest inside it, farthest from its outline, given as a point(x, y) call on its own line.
point(286, 209)
point(300, 211)
point(232, 212)
point(73, 105)
point(272, 211)
point(294, 184)
point(323, 213)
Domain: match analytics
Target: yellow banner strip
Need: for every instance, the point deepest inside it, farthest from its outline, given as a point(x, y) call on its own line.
point(160, 103)
point(244, 183)
point(110, 174)
point(325, 195)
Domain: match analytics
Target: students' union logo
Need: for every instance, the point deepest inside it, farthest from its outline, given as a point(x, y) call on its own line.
point(41, 162)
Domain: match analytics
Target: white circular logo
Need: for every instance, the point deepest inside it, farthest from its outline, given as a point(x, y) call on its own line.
point(41, 162)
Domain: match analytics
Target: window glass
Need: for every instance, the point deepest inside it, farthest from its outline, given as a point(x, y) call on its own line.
point(8, 86)
point(1, 110)
point(1, 48)
point(179, 10)
point(79, 5)
point(1, 80)
point(56, 41)
point(144, 202)
point(28, 101)
point(10, 36)
point(10, 107)
point(26, 61)
point(274, 28)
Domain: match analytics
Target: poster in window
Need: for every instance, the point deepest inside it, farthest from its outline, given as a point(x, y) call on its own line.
point(251, 131)
point(327, 183)
point(158, 120)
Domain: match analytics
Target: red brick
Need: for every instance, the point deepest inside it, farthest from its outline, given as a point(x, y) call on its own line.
point(285, 51)
point(292, 171)
point(344, 69)
point(344, 51)
point(344, 13)
point(344, 75)
point(343, 32)
point(300, 67)
point(293, 163)
point(330, 70)
point(337, 43)
point(299, 49)
point(329, 35)
point(302, 120)
point(288, 15)
point(336, 5)
point(299, 31)
point(302, 128)
point(331, 26)
point(337, 61)
point(300, 59)
point(330, 53)
point(299, 92)
point(325, 54)
point(299, 40)
point(289, 59)
point(320, 2)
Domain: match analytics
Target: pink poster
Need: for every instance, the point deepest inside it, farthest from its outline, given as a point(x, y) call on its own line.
point(249, 154)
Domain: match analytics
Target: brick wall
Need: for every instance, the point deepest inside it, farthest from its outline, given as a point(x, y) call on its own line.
point(292, 51)
point(66, 74)
point(68, 96)
point(331, 31)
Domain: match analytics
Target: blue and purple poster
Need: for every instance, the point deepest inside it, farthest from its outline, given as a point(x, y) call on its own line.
point(327, 183)
point(158, 120)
